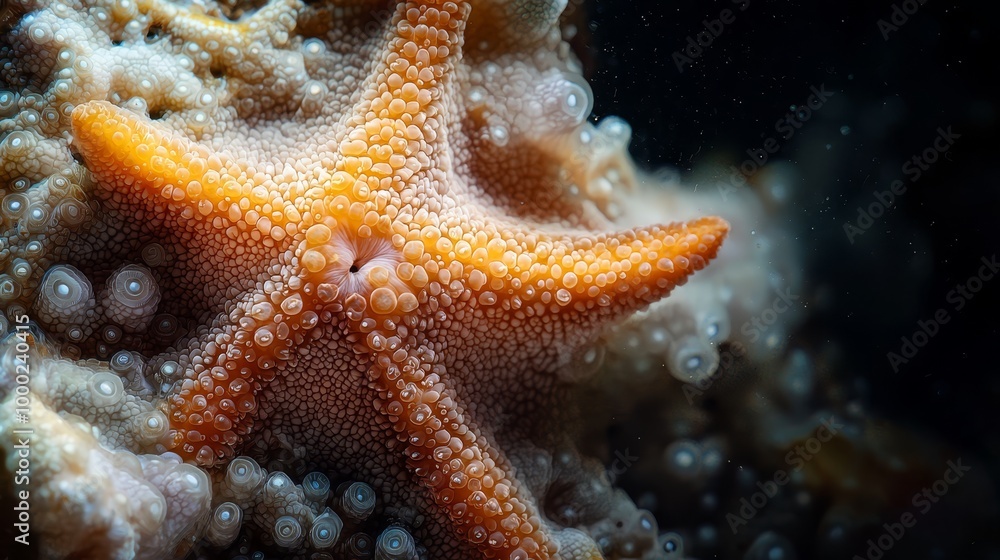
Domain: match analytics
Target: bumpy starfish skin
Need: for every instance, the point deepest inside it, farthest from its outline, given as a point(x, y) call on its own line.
point(385, 293)
point(380, 269)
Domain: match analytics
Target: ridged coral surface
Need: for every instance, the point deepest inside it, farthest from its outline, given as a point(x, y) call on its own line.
point(300, 274)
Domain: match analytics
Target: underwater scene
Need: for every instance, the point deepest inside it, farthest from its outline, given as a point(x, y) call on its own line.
point(498, 279)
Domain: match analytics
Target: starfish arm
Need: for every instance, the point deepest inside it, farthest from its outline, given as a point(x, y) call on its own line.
point(503, 263)
point(396, 131)
point(467, 476)
point(211, 408)
point(132, 152)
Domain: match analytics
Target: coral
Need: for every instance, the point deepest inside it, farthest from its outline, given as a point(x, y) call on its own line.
point(322, 278)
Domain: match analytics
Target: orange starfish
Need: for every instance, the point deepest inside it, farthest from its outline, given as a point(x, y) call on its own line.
point(369, 287)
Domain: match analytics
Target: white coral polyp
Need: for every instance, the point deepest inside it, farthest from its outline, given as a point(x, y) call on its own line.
point(88, 500)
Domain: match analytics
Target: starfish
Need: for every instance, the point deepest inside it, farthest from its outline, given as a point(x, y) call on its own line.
point(372, 301)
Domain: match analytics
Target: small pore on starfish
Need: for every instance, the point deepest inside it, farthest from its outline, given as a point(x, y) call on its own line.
point(365, 267)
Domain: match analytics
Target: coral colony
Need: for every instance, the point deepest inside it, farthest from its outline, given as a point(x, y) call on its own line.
point(333, 279)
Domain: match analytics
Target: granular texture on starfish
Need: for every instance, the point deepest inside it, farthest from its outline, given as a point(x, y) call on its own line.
point(540, 287)
point(376, 262)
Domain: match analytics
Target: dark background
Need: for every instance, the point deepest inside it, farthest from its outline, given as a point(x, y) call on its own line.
point(937, 70)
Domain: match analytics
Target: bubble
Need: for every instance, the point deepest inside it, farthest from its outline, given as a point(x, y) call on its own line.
point(798, 378)
point(712, 458)
point(111, 334)
point(770, 546)
point(713, 323)
point(75, 334)
point(278, 483)
point(165, 326)
point(122, 362)
point(28, 118)
point(708, 535)
point(360, 545)
point(477, 96)
point(64, 295)
point(33, 249)
point(8, 104)
point(646, 523)
point(325, 531)
point(14, 205)
point(774, 341)
point(316, 487)
point(672, 544)
point(106, 389)
point(83, 67)
point(357, 500)
point(72, 212)
point(10, 289)
point(154, 254)
point(133, 287)
point(64, 89)
point(151, 426)
point(313, 94)
point(576, 100)
point(287, 532)
point(224, 525)
point(692, 360)
point(395, 543)
point(195, 478)
point(244, 476)
point(170, 370)
point(615, 130)
point(845, 130)
point(313, 47)
point(36, 219)
point(586, 361)
point(499, 135)
point(592, 358)
point(657, 339)
point(17, 144)
point(132, 297)
point(40, 33)
point(21, 270)
point(137, 105)
point(50, 116)
point(21, 184)
point(133, 30)
point(684, 458)
point(123, 9)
